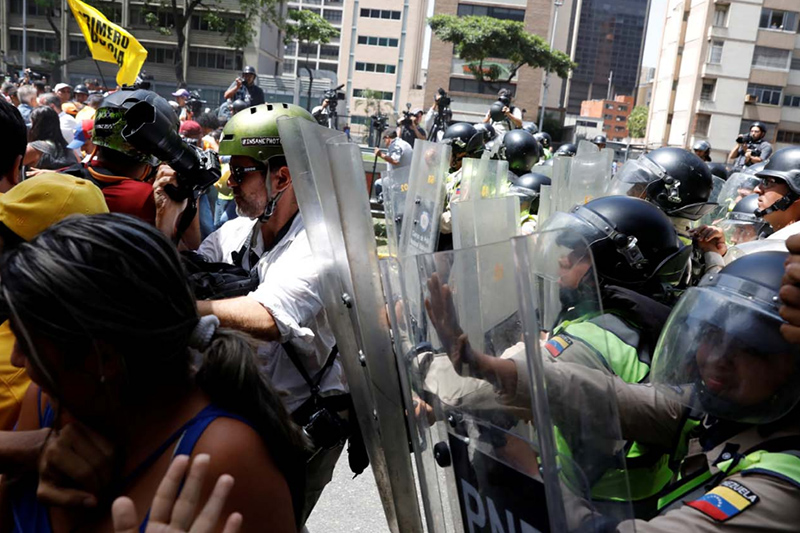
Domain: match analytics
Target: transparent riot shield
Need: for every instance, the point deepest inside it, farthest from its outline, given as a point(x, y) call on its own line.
point(484, 221)
point(560, 197)
point(719, 212)
point(483, 178)
point(589, 175)
point(735, 188)
point(570, 367)
point(328, 178)
point(477, 457)
point(395, 192)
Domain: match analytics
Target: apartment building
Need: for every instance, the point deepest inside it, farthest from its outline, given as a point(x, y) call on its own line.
point(722, 66)
point(471, 98)
point(209, 64)
point(319, 57)
point(613, 114)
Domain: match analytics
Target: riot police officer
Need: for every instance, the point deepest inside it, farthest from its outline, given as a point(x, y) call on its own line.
point(545, 141)
point(567, 150)
point(600, 141)
point(742, 225)
point(702, 149)
point(528, 188)
point(464, 141)
point(521, 150)
point(779, 192)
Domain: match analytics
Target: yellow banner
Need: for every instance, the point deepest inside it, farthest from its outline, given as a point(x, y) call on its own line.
point(108, 42)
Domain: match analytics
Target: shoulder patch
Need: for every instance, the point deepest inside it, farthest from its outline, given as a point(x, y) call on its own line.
point(725, 501)
point(558, 344)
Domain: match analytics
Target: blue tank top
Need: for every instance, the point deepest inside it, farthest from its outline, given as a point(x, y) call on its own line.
point(31, 516)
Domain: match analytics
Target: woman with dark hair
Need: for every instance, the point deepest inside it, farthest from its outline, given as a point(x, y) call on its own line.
point(46, 147)
point(109, 332)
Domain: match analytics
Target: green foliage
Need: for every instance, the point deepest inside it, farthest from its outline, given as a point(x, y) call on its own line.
point(308, 27)
point(637, 122)
point(477, 39)
point(371, 101)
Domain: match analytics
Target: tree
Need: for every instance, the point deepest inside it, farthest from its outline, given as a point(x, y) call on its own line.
point(637, 122)
point(371, 100)
point(239, 30)
point(308, 28)
point(478, 40)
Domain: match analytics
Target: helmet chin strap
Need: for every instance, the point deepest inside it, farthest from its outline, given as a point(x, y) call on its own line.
point(269, 210)
point(781, 205)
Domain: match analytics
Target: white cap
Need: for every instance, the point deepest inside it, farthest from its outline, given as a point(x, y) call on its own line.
point(60, 86)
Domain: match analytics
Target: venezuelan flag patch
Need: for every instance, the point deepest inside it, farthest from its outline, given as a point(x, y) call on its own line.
point(725, 501)
point(557, 344)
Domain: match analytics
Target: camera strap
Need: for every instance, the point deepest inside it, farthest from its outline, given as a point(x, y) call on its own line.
point(313, 385)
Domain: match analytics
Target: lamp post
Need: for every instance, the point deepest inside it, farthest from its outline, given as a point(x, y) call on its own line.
point(557, 4)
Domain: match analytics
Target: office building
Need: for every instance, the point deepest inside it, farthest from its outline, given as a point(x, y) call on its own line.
point(613, 113)
point(722, 66)
point(319, 57)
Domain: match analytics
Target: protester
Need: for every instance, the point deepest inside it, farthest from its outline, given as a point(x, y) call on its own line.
point(64, 92)
point(14, 149)
point(81, 93)
point(209, 123)
point(245, 88)
point(46, 148)
point(53, 101)
point(91, 352)
point(82, 140)
point(181, 95)
point(93, 103)
point(27, 98)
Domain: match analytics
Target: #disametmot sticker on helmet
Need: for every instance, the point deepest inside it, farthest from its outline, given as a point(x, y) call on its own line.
point(261, 141)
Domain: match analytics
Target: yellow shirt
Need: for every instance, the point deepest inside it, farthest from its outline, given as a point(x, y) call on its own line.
point(87, 113)
point(14, 381)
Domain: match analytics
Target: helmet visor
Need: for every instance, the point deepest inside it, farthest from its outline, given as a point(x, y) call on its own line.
point(721, 352)
point(693, 211)
point(737, 187)
point(742, 227)
point(634, 176)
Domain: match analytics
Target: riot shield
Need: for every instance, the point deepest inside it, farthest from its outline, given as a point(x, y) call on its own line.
point(477, 457)
point(569, 363)
point(328, 177)
point(484, 221)
point(395, 192)
point(545, 203)
point(425, 198)
point(719, 212)
point(735, 188)
point(590, 174)
point(560, 198)
point(483, 178)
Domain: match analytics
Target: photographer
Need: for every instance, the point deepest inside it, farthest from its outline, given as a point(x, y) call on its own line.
point(751, 148)
point(181, 97)
point(409, 127)
point(325, 114)
point(245, 88)
point(503, 116)
point(438, 116)
point(322, 112)
point(398, 153)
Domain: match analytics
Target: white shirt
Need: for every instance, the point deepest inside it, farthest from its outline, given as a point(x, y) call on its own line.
point(290, 290)
point(785, 233)
point(67, 124)
point(502, 127)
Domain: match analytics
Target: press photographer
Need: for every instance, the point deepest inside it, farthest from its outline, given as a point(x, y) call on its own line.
point(504, 116)
point(439, 116)
point(408, 127)
point(751, 148)
point(325, 114)
point(245, 88)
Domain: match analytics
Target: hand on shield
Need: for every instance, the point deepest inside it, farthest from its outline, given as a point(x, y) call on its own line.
point(710, 239)
point(790, 292)
point(442, 313)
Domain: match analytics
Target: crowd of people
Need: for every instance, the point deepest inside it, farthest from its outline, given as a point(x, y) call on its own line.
point(135, 335)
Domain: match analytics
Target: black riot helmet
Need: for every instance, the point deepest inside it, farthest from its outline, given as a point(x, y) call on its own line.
point(784, 165)
point(544, 138)
point(704, 149)
point(249, 70)
point(528, 188)
point(567, 149)
point(634, 244)
point(719, 170)
point(675, 180)
point(464, 141)
point(239, 105)
point(80, 89)
point(759, 125)
point(730, 318)
point(486, 130)
point(521, 151)
point(742, 225)
point(600, 139)
point(530, 127)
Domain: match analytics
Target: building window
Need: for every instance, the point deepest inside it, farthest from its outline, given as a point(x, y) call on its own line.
point(586, 123)
point(334, 16)
point(384, 95)
point(791, 101)
point(78, 48)
point(790, 137)
point(619, 118)
point(795, 64)
point(771, 58)
point(380, 68)
point(288, 65)
point(160, 54)
point(619, 128)
point(773, 19)
point(327, 51)
point(504, 13)
point(474, 86)
point(608, 117)
point(378, 41)
point(765, 94)
point(609, 106)
point(334, 2)
point(702, 124)
point(200, 23)
point(715, 52)
point(34, 9)
point(707, 90)
point(622, 108)
point(290, 49)
point(215, 58)
point(165, 18)
point(721, 16)
point(380, 14)
point(37, 42)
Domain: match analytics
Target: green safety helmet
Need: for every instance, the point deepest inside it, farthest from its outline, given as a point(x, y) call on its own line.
point(253, 132)
point(110, 120)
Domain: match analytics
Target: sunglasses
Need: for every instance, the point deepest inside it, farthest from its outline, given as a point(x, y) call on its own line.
point(239, 173)
point(770, 182)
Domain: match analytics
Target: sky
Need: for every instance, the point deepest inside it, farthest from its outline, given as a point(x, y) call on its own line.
point(655, 27)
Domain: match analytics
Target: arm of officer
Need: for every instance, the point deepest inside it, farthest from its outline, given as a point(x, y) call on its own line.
point(790, 292)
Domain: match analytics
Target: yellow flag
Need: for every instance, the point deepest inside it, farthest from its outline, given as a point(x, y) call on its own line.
point(108, 42)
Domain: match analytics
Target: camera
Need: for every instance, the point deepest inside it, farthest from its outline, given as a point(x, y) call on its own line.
point(195, 103)
point(408, 119)
point(379, 122)
point(333, 96)
point(144, 81)
point(443, 101)
point(326, 430)
point(151, 131)
point(744, 138)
